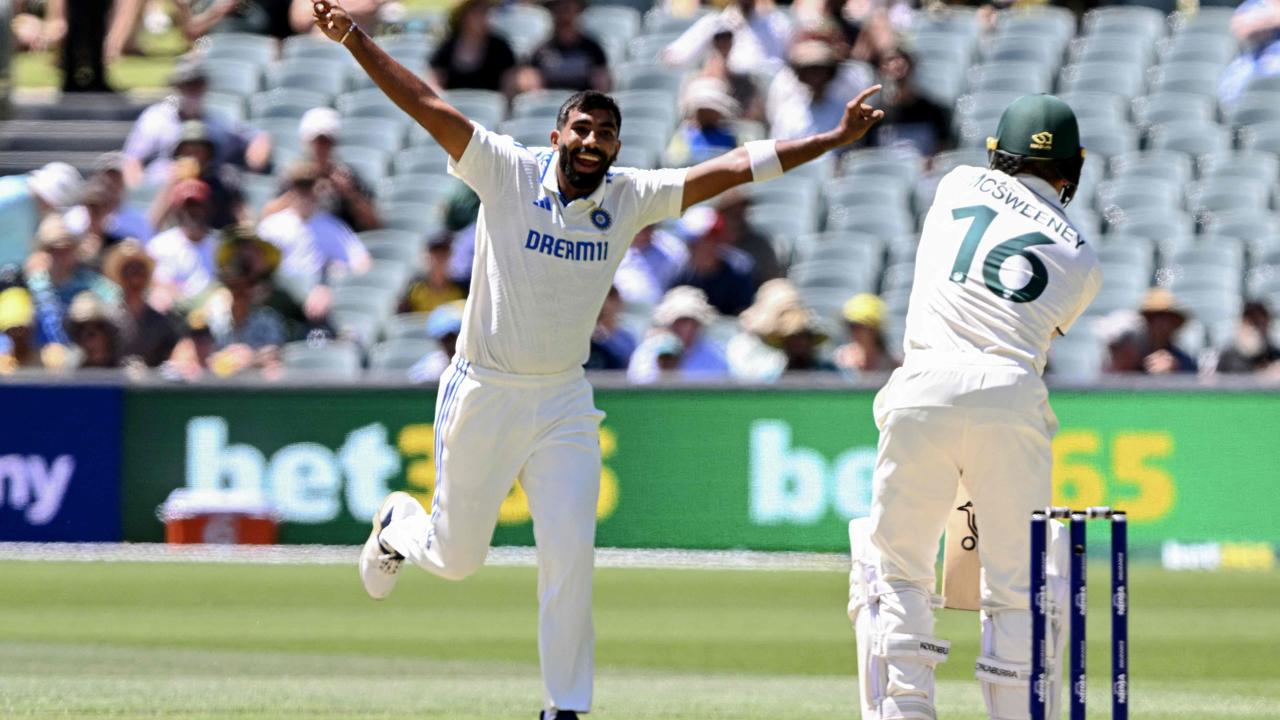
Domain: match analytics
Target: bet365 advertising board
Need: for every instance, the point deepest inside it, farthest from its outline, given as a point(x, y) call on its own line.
point(771, 469)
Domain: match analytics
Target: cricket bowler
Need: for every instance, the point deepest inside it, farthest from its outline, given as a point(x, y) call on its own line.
point(554, 224)
point(1000, 270)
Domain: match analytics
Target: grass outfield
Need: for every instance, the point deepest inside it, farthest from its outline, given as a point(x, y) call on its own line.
point(92, 640)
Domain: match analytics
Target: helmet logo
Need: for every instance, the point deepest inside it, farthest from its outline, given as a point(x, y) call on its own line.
point(1042, 141)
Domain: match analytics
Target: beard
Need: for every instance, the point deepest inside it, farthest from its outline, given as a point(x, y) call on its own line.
point(581, 181)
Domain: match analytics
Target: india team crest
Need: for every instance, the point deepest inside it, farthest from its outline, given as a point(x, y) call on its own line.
point(601, 219)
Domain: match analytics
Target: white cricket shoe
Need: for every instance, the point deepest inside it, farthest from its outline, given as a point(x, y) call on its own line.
point(379, 564)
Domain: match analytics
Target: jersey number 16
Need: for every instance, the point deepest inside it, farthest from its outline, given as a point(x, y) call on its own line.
point(982, 217)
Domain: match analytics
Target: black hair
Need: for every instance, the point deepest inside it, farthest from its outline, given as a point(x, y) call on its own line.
point(1051, 171)
point(586, 101)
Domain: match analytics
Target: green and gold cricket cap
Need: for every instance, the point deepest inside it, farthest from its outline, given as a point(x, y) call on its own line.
point(1039, 127)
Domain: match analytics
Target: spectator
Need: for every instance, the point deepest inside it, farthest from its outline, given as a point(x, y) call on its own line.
point(432, 287)
point(149, 149)
point(810, 94)
point(185, 269)
point(195, 156)
point(611, 344)
point(761, 33)
point(245, 332)
point(568, 60)
point(92, 328)
point(472, 56)
point(1124, 333)
point(669, 351)
point(866, 351)
point(1256, 25)
point(57, 274)
point(732, 206)
point(444, 324)
point(38, 25)
point(192, 354)
point(910, 119)
point(753, 353)
point(742, 86)
point(685, 314)
point(707, 130)
point(723, 272)
point(197, 18)
point(240, 245)
point(1164, 316)
point(102, 216)
point(800, 333)
point(145, 334)
point(316, 245)
point(25, 199)
point(18, 347)
point(1252, 349)
point(650, 266)
point(341, 192)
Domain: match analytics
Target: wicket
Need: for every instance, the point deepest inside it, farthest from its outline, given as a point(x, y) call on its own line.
point(1076, 531)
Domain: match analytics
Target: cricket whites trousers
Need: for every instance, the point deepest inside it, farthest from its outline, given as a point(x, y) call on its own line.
point(944, 419)
point(492, 428)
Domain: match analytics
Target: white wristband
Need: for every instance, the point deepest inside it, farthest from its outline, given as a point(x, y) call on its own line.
point(765, 163)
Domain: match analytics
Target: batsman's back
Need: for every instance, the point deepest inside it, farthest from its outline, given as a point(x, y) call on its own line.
point(999, 270)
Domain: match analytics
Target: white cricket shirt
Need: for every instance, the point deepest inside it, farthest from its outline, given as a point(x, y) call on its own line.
point(1000, 270)
point(543, 265)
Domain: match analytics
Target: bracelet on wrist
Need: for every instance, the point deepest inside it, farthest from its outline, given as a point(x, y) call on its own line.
point(352, 28)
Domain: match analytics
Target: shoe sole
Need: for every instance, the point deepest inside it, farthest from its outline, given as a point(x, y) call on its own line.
point(378, 526)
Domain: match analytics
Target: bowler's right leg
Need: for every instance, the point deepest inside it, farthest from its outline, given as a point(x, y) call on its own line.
point(483, 435)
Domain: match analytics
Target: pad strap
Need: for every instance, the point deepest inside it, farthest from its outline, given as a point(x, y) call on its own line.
point(1001, 672)
point(929, 650)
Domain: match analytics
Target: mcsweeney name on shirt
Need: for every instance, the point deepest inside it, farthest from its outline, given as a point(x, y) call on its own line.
point(577, 250)
point(1009, 196)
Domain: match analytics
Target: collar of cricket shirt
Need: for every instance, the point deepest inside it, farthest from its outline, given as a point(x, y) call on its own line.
point(551, 181)
point(1042, 188)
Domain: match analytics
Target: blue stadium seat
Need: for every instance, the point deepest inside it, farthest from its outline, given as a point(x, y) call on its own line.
point(524, 26)
point(1027, 78)
point(1118, 78)
point(422, 159)
point(1077, 357)
point(1160, 164)
point(1264, 137)
point(406, 326)
point(216, 48)
point(333, 360)
point(233, 76)
point(325, 77)
point(397, 355)
point(486, 107)
point(287, 103)
point(1240, 193)
point(423, 189)
point(379, 134)
point(1191, 137)
point(1197, 78)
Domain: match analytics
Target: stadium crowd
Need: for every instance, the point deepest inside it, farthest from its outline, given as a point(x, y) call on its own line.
point(277, 218)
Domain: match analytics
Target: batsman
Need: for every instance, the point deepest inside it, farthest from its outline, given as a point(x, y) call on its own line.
point(1000, 271)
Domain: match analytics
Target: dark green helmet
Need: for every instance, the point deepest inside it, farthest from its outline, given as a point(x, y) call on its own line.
point(1039, 134)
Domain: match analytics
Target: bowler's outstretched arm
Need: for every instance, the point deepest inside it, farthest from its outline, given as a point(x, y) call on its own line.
point(450, 128)
point(712, 177)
